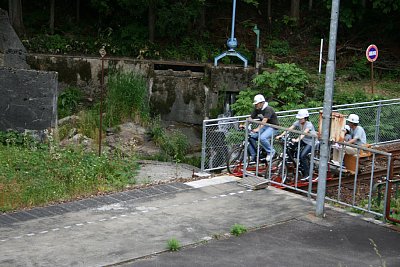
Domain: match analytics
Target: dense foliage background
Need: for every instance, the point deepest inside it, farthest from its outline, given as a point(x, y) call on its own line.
point(197, 30)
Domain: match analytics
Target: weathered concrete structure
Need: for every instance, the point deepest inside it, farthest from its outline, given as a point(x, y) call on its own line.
point(28, 99)
point(178, 92)
point(12, 52)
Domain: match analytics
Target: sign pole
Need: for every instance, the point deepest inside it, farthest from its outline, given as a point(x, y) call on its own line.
point(372, 77)
point(372, 54)
point(102, 52)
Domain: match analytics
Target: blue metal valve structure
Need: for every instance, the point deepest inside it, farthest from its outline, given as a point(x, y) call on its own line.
point(231, 43)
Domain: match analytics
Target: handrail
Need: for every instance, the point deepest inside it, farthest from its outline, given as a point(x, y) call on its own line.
point(389, 193)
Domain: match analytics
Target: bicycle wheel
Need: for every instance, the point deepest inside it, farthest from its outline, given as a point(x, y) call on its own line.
point(235, 161)
point(276, 171)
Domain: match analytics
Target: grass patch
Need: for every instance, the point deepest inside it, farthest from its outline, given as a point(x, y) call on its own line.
point(33, 177)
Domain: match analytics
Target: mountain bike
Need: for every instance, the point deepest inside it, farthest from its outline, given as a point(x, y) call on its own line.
point(235, 160)
point(285, 167)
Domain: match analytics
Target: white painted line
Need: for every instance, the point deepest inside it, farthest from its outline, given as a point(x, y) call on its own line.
point(214, 197)
point(17, 237)
point(43, 232)
point(55, 229)
point(114, 217)
point(205, 199)
point(223, 195)
point(212, 181)
point(102, 220)
point(89, 222)
point(240, 192)
point(79, 224)
point(144, 211)
point(67, 227)
point(3, 240)
point(123, 215)
point(31, 234)
point(232, 194)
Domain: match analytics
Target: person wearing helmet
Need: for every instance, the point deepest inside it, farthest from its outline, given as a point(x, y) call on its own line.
point(357, 137)
point(304, 125)
point(266, 114)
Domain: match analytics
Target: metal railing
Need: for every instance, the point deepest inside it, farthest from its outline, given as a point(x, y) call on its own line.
point(352, 189)
point(378, 118)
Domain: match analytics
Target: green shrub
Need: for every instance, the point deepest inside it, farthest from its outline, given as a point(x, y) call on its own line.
point(244, 103)
point(68, 101)
point(278, 47)
point(285, 85)
point(353, 96)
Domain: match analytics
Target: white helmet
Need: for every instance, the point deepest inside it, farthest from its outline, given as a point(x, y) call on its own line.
point(303, 113)
point(353, 118)
point(258, 99)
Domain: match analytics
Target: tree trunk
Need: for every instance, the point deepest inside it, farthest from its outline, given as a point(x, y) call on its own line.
point(15, 16)
point(295, 9)
point(78, 11)
point(52, 3)
point(269, 12)
point(364, 3)
point(310, 4)
point(202, 18)
point(152, 20)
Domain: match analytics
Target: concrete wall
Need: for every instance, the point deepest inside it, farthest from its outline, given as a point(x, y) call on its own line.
point(176, 94)
point(12, 52)
point(28, 99)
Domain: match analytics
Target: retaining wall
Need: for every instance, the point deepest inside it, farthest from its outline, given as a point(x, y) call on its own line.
point(183, 92)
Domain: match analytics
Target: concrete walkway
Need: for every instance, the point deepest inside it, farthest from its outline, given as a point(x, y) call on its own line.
point(132, 229)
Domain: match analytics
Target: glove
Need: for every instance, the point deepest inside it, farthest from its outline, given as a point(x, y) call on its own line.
point(336, 146)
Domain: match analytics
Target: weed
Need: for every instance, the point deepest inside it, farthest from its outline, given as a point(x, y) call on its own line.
point(217, 236)
point(173, 244)
point(174, 145)
point(126, 98)
point(238, 229)
point(68, 101)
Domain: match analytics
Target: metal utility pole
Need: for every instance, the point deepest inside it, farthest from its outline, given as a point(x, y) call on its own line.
point(232, 42)
point(327, 110)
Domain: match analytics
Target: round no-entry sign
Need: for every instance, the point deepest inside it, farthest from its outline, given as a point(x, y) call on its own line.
point(371, 53)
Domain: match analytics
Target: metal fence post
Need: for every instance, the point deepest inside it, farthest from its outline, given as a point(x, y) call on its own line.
point(203, 146)
point(378, 120)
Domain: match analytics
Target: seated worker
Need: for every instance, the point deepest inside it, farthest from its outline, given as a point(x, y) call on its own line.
point(267, 115)
point(357, 137)
point(302, 124)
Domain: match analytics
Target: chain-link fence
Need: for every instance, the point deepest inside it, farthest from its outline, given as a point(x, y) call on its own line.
point(378, 118)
